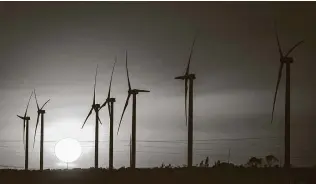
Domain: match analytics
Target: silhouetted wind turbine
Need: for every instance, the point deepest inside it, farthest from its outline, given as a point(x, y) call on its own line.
point(188, 77)
point(96, 108)
point(285, 59)
point(133, 92)
point(40, 112)
point(228, 160)
point(110, 101)
point(26, 120)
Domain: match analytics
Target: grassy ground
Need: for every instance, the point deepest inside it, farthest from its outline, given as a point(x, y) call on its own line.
point(164, 175)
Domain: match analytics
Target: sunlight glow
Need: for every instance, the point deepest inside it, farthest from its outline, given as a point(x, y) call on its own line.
point(68, 150)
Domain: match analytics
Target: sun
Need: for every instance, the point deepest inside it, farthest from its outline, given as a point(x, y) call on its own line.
point(68, 150)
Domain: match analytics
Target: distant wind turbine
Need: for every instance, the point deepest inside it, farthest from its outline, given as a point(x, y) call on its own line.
point(228, 156)
point(26, 120)
point(285, 59)
point(133, 92)
point(40, 112)
point(96, 108)
point(110, 101)
point(187, 77)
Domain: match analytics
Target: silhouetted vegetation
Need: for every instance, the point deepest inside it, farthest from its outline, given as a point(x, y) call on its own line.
point(271, 160)
point(264, 170)
point(254, 162)
point(169, 174)
point(219, 164)
point(204, 163)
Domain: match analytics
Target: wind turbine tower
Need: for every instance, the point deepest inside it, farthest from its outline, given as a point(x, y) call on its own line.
point(133, 92)
point(287, 61)
point(110, 102)
point(96, 108)
point(40, 112)
point(189, 78)
point(26, 120)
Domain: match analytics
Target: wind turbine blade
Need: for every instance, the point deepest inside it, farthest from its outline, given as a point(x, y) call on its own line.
point(109, 93)
point(28, 103)
point(126, 103)
point(99, 120)
point(95, 83)
point(141, 90)
point(37, 120)
point(180, 77)
point(188, 66)
point(87, 117)
point(45, 104)
point(104, 104)
point(276, 89)
point(277, 38)
point(36, 100)
point(129, 83)
point(185, 100)
point(296, 45)
point(109, 109)
point(106, 101)
point(20, 116)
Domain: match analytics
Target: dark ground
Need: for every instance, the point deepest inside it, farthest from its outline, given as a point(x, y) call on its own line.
point(165, 176)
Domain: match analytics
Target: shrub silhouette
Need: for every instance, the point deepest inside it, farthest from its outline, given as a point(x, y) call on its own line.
point(162, 165)
point(204, 163)
point(271, 160)
point(219, 164)
point(254, 162)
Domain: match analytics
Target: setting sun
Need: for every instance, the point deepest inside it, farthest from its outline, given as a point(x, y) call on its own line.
point(68, 150)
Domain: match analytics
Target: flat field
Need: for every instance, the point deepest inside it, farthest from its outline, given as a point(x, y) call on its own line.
point(159, 175)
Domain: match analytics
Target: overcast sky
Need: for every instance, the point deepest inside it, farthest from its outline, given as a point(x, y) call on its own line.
point(55, 47)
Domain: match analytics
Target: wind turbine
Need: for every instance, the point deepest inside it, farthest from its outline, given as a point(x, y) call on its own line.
point(285, 59)
point(133, 92)
point(96, 108)
point(110, 101)
point(189, 77)
point(40, 112)
point(26, 120)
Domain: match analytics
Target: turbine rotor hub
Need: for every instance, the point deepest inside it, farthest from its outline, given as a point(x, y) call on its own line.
point(286, 60)
point(41, 111)
point(133, 91)
point(111, 100)
point(96, 106)
point(191, 76)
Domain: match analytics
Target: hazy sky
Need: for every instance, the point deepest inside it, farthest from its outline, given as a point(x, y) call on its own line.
point(55, 47)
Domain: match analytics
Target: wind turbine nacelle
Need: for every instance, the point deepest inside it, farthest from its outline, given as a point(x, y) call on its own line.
point(133, 91)
point(111, 100)
point(180, 77)
point(286, 60)
point(96, 106)
point(27, 118)
point(190, 76)
point(41, 111)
